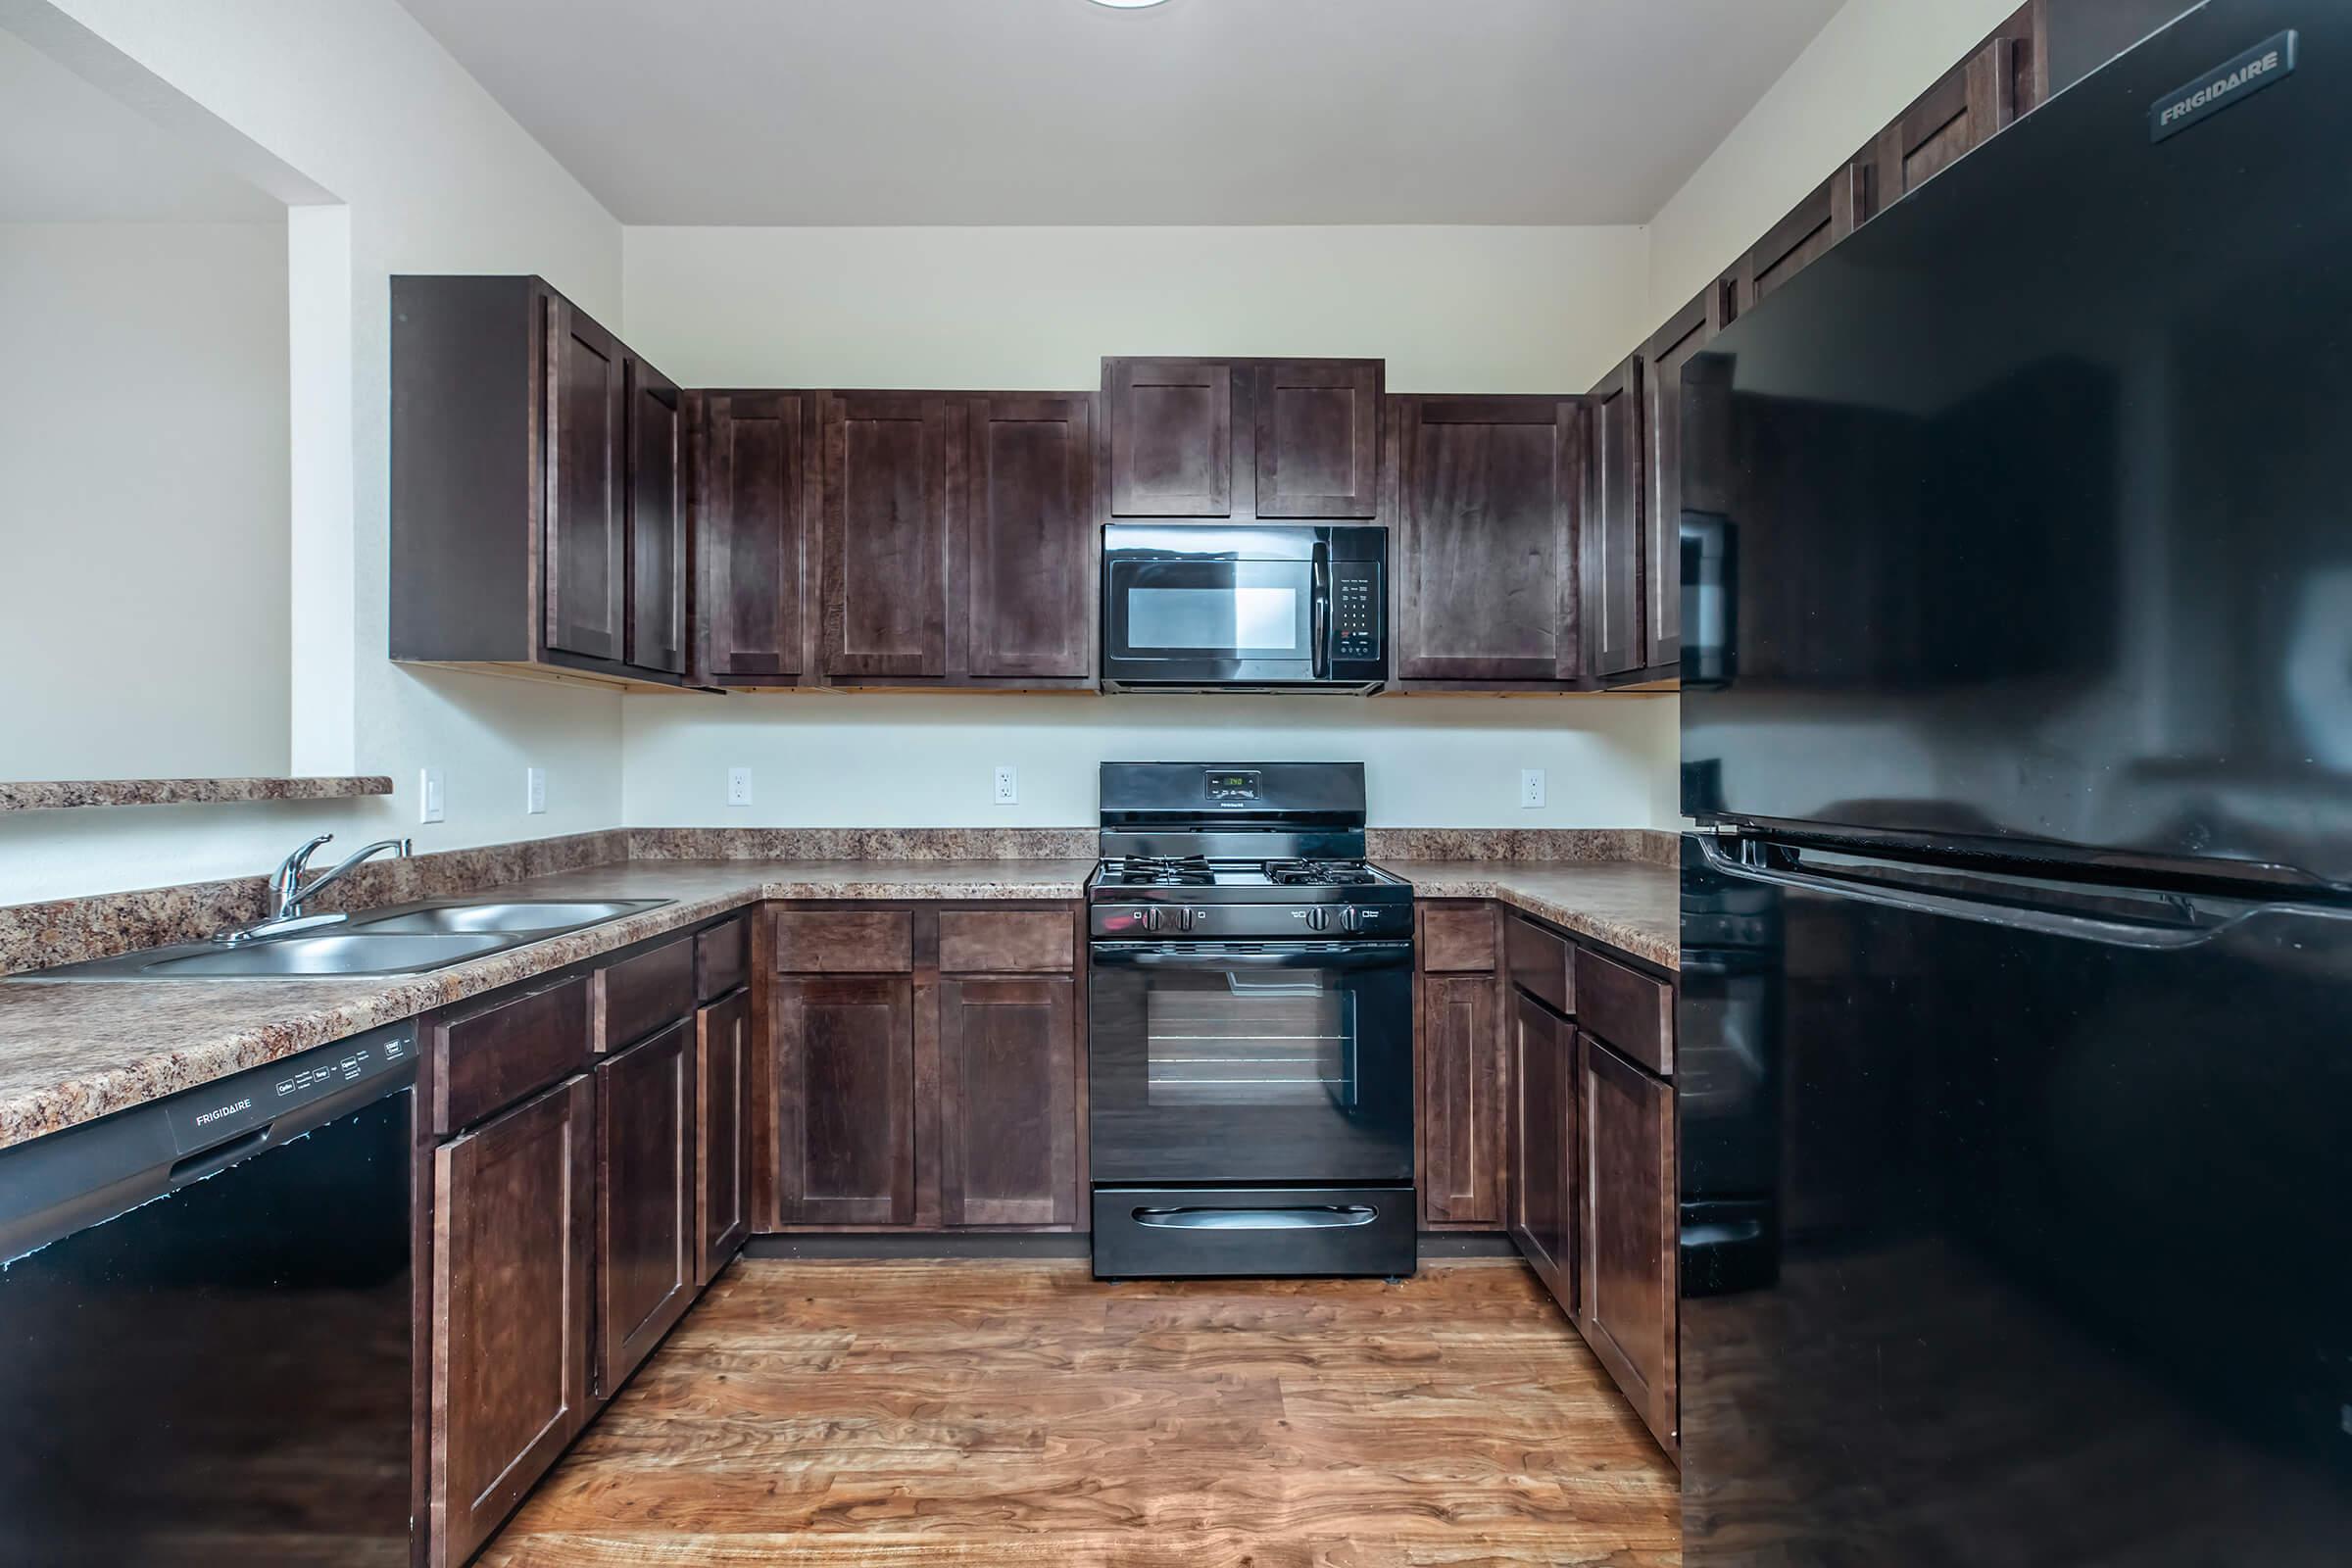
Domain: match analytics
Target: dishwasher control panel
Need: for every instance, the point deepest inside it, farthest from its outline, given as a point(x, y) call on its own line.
point(253, 1099)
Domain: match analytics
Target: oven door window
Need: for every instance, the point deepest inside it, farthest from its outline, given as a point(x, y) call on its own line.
point(1269, 1066)
point(1186, 610)
point(1262, 1039)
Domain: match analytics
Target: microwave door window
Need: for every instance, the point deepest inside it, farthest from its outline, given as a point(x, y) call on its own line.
point(1215, 620)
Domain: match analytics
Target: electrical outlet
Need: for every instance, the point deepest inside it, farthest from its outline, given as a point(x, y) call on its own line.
point(534, 790)
point(1531, 789)
point(431, 805)
point(739, 786)
point(1008, 787)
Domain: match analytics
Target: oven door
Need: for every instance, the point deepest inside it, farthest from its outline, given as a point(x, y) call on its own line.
point(1251, 1062)
point(1209, 607)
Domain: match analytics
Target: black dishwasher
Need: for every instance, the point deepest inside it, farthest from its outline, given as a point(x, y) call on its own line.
point(206, 1322)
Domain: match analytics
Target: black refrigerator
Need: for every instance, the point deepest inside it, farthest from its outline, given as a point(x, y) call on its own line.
point(2015, 1111)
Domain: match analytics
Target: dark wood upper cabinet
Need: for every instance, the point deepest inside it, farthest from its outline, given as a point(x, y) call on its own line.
point(1689, 330)
point(513, 1235)
point(1483, 551)
point(1029, 546)
point(890, 467)
point(656, 594)
point(843, 1088)
point(1826, 214)
point(1630, 1227)
point(1007, 1100)
point(1611, 564)
point(1543, 1146)
point(723, 1132)
point(646, 1240)
point(1318, 438)
point(587, 418)
point(2005, 76)
point(755, 502)
point(1173, 431)
point(538, 498)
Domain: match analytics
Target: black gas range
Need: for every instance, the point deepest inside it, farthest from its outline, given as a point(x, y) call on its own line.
point(1251, 1096)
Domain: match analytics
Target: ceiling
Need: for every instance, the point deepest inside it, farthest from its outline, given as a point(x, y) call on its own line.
point(72, 153)
point(1041, 112)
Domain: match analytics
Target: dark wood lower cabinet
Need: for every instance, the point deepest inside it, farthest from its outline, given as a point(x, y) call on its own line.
point(843, 1075)
point(1543, 1198)
point(723, 1203)
point(1630, 1224)
point(647, 1253)
point(1007, 1082)
point(513, 1235)
point(1462, 1118)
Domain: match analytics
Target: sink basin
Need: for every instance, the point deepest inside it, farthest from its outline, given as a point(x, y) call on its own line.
point(338, 954)
point(498, 917)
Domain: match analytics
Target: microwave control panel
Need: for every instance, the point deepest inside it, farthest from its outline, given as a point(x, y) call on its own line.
point(1355, 609)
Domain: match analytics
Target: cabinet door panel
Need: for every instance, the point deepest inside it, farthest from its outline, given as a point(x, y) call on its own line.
point(1464, 1125)
point(1972, 101)
point(1485, 538)
point(657, 523)
point(1009, 1128)
point(646, 1252)
point(1029, 548)
point(1810, 231)
point(1171, 438)
point(755, 534)
point(1319, 439)
point(890, 463)
point(1543, 1146)
point(1630, 1230)
point(844, 1077)
point(1610, 565)
point(1676, 344)
point(586, 412)
point(723, 1132)
point(513, 1227)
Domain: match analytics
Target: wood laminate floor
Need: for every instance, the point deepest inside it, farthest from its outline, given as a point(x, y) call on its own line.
point(994, 1411)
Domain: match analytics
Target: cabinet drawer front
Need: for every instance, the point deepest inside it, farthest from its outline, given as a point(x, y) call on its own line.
point(1457, 937)
point(1542, 964)
point(488, 1059)
point(1630, 1010)
point(723, 959)
point(647, 992)
point(974, 942)
point(845, 942)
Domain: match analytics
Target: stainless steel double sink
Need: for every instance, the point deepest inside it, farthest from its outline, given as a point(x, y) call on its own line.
point(404, 939)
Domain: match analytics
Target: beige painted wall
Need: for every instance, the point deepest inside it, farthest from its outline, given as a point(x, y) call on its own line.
point(1863, 67)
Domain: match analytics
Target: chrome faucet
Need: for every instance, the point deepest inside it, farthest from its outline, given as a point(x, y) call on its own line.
point(287, 894)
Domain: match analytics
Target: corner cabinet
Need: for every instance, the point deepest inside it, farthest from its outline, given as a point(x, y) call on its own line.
point(538, 489)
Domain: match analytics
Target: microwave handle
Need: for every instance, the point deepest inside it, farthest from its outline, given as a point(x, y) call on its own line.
point(1320, 599)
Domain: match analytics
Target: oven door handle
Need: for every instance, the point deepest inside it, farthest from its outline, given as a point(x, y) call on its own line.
point(1301, 1217)
point(1333, 955)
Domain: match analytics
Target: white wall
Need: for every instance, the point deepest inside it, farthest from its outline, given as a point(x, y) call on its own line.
point(436, 178)
point(1452, 309)
point(143, 500)
point(1860, 71)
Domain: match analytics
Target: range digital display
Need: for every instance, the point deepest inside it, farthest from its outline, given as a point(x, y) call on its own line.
point(1234, 786)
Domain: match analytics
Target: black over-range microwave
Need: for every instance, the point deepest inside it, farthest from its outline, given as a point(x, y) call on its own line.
point(1274, 607)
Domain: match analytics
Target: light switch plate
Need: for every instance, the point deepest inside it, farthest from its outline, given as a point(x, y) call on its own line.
point(534, 790)
point(432, 807)
point(1009, 786)
point(739, 786)
point(1531, 789)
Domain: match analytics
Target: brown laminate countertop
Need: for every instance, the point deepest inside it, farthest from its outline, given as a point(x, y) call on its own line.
point(70, 1052)
point(1632, 906)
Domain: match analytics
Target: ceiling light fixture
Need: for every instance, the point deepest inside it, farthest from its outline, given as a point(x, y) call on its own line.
point(1130, 5)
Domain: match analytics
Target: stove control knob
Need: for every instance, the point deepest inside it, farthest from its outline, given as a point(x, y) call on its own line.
point(1318, 918)
point(1351, 918)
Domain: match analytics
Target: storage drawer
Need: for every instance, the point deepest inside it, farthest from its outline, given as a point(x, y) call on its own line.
point(1626, 1008)
point(845, 941)
point(723, 959)
point(486, 1060)
point(647, 992)
point(1542, 964)
point(1457, 937)
point(978, 942)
